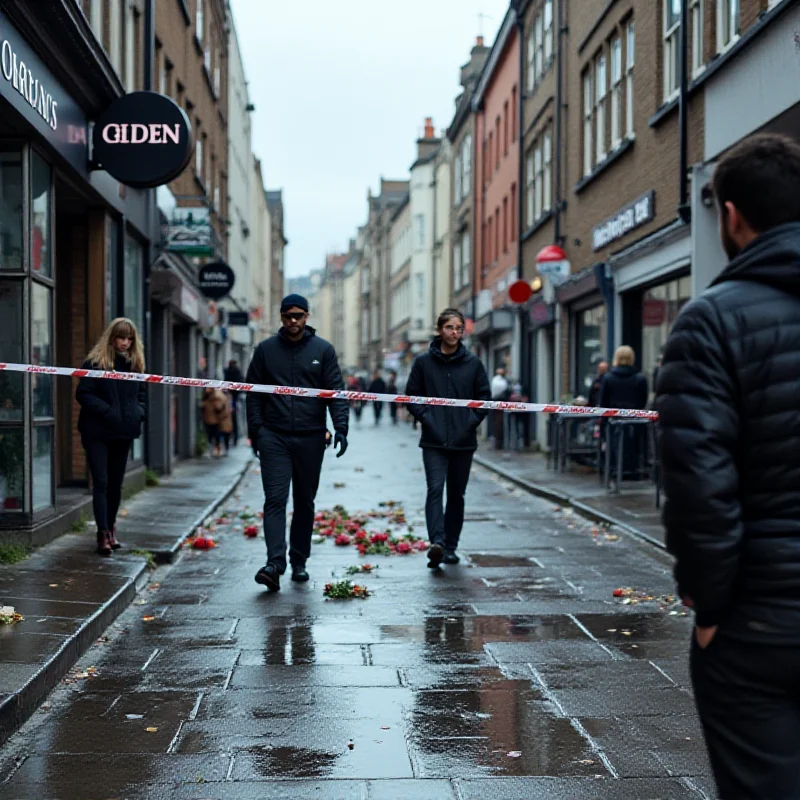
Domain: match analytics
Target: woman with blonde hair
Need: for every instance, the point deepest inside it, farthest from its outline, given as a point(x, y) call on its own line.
point(215, 409)
point(110, 419)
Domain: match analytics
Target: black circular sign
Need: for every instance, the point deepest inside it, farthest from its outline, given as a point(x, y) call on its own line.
point(143, 139)
point(216, 280)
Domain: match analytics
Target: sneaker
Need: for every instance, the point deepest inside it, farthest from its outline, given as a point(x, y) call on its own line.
point(450, 557)
point(268, 576)
point(435, 555)
point(299, 574)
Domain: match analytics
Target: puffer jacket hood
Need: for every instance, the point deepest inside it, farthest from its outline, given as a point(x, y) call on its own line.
point(772, 259)
point(436, 350)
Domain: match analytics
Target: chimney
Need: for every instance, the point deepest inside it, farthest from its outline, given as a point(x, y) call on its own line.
point(429, 131)
point(480, 41)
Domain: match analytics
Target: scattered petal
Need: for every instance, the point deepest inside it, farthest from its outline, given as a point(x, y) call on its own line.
point(151, 730)
point(134, 716)
point(514, 754)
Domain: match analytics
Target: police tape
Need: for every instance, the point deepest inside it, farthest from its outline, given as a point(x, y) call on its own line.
point(333, 394)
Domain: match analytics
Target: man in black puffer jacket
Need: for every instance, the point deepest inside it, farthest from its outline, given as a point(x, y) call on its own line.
point(727, 396)
point(288, 433)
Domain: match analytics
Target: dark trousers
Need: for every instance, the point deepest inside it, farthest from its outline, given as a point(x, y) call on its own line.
point(297, 460)
point(107, 462)
point(748, 699)
point(235, 418)
point(377, 408)
point(446, 470)
point(393, 412)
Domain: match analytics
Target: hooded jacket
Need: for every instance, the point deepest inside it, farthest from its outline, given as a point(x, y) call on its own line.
point(309, 363)
point(111, 409)
point(728, 399)
point(460, 376)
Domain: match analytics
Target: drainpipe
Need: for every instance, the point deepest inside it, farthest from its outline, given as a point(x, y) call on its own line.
point(435, 250)
point(684, 209)
point(524, 366)
point(560, 28)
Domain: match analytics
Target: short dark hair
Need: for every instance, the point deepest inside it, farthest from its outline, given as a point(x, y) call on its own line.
point(447, 314)
point(761, 176)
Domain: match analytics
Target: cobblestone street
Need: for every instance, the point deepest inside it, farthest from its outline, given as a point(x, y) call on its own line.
point(516, 674)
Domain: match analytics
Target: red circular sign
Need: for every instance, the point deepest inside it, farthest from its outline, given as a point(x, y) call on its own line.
point(520, 292)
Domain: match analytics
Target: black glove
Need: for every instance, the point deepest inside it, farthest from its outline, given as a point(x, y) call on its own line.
point(340, 441)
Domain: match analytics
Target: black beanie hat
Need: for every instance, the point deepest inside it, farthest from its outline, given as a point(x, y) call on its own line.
point(294, 301)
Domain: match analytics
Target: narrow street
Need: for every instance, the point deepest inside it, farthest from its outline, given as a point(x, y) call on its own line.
point(516, 674)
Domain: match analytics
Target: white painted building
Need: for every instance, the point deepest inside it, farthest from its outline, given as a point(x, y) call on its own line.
point(266, 317)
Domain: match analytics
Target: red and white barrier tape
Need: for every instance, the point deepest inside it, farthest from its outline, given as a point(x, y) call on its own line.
point(332, 394)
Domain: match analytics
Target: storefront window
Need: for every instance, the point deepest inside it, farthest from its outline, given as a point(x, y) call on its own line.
point(660, 308)
point(42, 467)
point(11, 249)
point(41, 348)
point(592, 343)
point(133, 309)
point(11, 328)
point(12, 468)
point(40, 229)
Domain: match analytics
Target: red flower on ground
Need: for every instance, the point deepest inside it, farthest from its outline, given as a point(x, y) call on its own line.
point(251, 531)
point(362, 549)
point(361, 536)
point(404, 547)
point(379, 538)
point(203, 543)
point(342, 540)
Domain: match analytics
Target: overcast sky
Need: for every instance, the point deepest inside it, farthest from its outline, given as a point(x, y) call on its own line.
point(341, 90)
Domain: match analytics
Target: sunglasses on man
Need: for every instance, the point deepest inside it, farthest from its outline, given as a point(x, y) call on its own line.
point(294, 316)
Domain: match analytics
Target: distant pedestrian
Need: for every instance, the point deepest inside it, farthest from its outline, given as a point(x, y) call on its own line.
point(727, 399)
point(448, 438)
point(111, 416)
point(377, 386)
point(594, 390)
point(391, 388)
point(501, 390)
point(216, 414)
point(233, 374)
point(288, 433)
point(354, 385)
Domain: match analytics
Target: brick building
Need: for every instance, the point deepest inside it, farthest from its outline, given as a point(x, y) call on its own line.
point(496, 195)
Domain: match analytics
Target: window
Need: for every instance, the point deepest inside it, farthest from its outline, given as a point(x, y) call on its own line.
point(548, 30)
point(489, 240)
point(600, 121)
point(419, 221)
point(130, 24)
point(616, 91)
point(513, 212)
point(466, 160)
point(466, 258)
point(198, 157)
point(497, 233)
point(547, 172)
point(505, 224)
point(530, 185)
point(217, 72)
point(457, 264)
point(588, 106)
point(514, 113)
point(490, 157)
point(538, 28)
point(539, 171)
point(115, 25)
point(672, 28)
point(505, 127)
point(497, 141)
point(457, 179)
point(630, 53)
point(531, 60)
point(698, 60)
point(727, 23)
point(199, 23)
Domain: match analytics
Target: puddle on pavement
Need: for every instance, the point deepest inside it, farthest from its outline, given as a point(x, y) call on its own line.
point(489, 560)
point(292, 762)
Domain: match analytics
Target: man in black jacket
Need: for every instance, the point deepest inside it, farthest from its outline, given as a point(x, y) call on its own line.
point(727, 397)
point(288, 433)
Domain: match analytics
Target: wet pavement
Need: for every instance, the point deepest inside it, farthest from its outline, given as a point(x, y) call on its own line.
point(515, 674)
point(634, 508)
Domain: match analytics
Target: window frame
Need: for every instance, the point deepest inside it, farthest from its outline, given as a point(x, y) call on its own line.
point(615, 51)
point(696, 10)
point(728, 28)
point(601, 95)
point(670, 52)
point(630, 63)
point(547, 172)
point(548, 31)
point(588, 120)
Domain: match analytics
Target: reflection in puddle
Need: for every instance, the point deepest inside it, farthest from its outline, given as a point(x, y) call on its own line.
point(291, 762)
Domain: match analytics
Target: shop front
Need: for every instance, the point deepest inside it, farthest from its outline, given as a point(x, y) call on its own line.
point(652, 281)
point(72, 256)
point(542, 349)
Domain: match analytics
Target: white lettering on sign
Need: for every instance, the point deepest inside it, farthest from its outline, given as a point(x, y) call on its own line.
point(632, 216)
point(23, 81)
point(137, 133)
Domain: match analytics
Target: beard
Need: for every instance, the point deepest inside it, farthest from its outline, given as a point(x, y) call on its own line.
point(728, 244)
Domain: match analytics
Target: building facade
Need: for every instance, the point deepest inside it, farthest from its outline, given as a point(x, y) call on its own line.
point(278, 244)
point(264, 315)
point(400, 280)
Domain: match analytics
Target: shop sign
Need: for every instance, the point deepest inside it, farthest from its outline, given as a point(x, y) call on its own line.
point(541, 314)
point(632, 216)
point(143, 139)
point(33, 91)
point(216, 281)
point(238, 318)
point(189, 231)
point(654, 312)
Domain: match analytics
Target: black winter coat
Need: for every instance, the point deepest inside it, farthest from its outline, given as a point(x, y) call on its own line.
point(460, 376)
point(728, 394)
point(623, 387)
point(111, 409)
point(310, 363)
point(378, 386)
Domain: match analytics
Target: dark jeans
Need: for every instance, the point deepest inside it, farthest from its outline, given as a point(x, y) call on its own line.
point(748, 699)
point(235, 418)
point(297, 460)
point(107, 462)
point(377, 408)
point(393, 412)
point(446, 469)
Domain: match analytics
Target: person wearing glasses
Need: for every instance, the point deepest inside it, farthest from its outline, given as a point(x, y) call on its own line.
point(289, 434)
point(449, 437)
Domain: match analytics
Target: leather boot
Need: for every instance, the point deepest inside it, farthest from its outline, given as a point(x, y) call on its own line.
point(104, 543)
point(112, 539)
